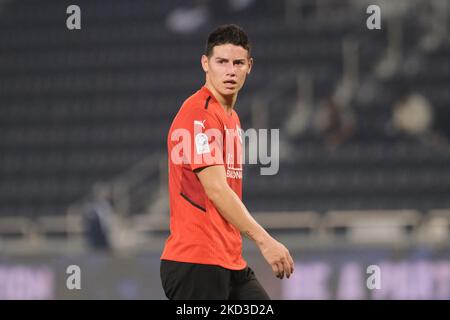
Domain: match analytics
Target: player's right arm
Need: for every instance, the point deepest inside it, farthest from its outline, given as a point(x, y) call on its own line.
point(230, 206)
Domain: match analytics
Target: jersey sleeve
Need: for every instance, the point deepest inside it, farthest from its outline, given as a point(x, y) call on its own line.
point(206, 139)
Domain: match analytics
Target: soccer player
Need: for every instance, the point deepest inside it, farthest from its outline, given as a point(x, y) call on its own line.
point(202, 258)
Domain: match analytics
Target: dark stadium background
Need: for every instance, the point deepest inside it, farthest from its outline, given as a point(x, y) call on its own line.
point(364, 120)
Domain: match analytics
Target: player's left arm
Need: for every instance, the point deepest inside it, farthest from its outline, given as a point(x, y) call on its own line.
point(230, 206)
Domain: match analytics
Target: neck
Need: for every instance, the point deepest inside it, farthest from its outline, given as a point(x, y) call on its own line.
point(227, 102)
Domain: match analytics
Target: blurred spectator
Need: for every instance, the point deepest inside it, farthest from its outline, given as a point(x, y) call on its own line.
point(97, 218)
point(413, 115)
point(197, 13)
point(334, 123)
point(187, 20)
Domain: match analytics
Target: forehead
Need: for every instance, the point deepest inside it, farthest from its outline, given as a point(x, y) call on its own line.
point(229, 51)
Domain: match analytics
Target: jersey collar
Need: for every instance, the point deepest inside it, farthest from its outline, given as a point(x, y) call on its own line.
point(207, 92)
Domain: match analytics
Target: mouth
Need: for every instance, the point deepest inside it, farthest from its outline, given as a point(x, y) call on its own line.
point(230, 82)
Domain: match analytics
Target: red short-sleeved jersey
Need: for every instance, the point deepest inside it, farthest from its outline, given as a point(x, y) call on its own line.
point(202, 134)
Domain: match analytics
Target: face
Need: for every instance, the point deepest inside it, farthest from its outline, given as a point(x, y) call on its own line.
point(227, 68)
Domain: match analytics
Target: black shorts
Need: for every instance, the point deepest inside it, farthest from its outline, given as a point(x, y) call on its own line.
point(191, 281)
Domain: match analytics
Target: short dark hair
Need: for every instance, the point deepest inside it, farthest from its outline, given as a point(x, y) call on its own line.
point(229, 33)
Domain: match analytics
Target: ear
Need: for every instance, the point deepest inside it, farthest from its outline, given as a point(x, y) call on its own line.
point(204, 62)
point(250, 65)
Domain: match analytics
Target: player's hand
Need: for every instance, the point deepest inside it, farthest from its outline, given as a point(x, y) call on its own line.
point(278, 257)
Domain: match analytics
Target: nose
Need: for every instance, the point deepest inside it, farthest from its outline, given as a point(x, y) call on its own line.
point(230, 69)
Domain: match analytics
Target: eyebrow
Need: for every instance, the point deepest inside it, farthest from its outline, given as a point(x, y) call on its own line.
point(236, 60)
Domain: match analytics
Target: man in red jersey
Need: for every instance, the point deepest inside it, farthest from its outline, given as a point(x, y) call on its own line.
point(202, 258)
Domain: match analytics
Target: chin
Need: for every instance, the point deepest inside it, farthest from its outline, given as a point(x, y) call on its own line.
point(227, 92)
